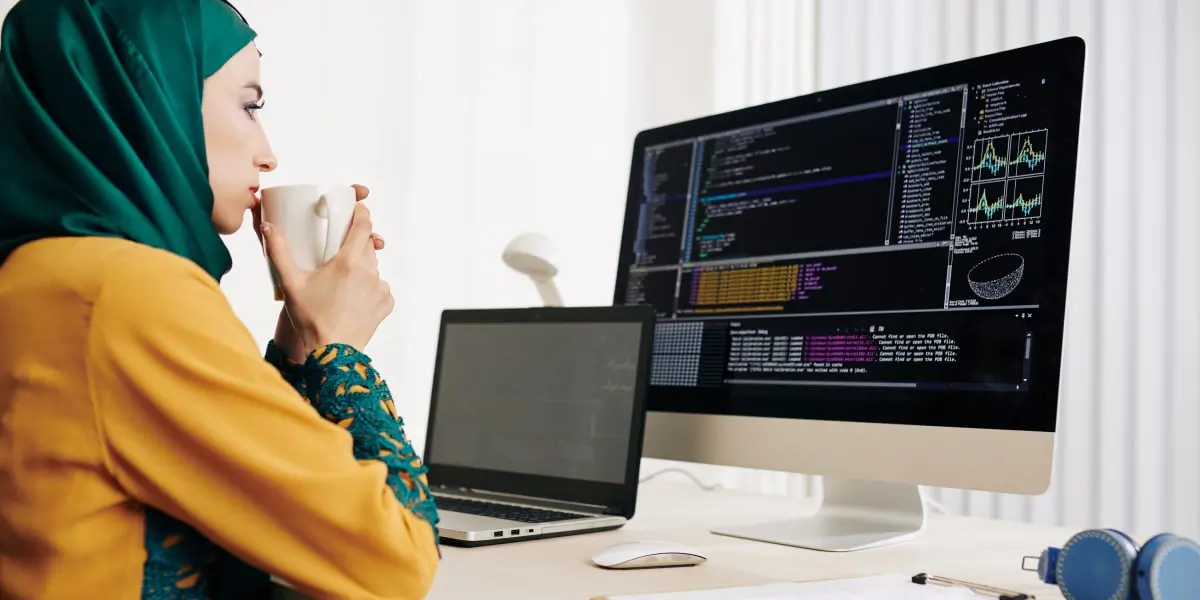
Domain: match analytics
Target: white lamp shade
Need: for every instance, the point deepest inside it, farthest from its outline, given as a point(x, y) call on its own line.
point(534, 255)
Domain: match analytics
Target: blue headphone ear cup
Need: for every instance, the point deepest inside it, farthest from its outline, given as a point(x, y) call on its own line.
point(1125, 536)
point(1047, 565)
point(1142, 567)
point(1168, 568)
point(1096, 563)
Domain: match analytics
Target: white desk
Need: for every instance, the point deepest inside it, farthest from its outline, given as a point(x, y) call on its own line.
point(976, 550)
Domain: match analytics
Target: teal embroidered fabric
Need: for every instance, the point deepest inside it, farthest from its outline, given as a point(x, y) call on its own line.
point(344, 387)
point(179, 561)
point(182, 564)
point(292, 373)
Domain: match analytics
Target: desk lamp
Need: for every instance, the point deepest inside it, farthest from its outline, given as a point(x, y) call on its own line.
point(533, 254)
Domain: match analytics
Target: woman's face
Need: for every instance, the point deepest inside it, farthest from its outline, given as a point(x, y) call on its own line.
point(237, 147)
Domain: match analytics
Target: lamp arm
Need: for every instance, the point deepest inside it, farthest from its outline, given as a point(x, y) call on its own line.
point(548, 291)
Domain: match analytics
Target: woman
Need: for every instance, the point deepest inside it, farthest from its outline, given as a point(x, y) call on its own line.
point(146, 448)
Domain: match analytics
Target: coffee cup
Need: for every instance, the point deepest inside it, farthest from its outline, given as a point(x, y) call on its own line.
point(313, 218)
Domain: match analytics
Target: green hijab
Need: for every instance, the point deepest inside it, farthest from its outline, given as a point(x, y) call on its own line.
point(100, 125)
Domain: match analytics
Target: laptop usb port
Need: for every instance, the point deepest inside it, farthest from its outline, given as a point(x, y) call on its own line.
point(498, 534)
point(516, 532)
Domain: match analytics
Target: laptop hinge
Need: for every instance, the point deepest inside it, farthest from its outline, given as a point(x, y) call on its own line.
point(522, 499)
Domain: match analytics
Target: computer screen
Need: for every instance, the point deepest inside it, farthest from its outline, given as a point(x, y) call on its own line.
point(546, 399)
point(893, 251)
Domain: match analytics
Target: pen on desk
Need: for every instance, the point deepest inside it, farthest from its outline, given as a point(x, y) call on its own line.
point(1000, 594)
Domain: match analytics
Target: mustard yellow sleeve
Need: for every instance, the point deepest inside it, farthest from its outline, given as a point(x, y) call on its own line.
point(198, 426)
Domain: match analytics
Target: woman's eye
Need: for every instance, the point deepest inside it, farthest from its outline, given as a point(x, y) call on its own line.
point(252, 107)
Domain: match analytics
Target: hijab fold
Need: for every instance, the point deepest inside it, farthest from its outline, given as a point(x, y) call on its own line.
point(100, 123)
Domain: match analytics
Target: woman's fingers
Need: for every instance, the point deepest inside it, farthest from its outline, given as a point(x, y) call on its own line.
point(360, 227)
point(361, 192)
point(280, 255)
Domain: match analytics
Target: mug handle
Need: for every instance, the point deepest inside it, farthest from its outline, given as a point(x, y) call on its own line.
point(337, 222)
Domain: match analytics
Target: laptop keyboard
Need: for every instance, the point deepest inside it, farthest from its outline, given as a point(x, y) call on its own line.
point(504, 511)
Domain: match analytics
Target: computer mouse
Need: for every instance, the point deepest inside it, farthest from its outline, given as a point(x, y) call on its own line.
point(644, 555)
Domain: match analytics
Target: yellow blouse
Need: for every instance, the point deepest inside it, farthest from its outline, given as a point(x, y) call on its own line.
point(148, 450)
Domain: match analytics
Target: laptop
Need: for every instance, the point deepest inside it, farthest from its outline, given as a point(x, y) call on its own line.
point(536, 420)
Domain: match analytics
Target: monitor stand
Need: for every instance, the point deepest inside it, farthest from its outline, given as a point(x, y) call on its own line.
point(855, 514)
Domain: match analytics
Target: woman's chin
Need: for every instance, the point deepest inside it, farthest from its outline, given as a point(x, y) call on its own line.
point(229, 225)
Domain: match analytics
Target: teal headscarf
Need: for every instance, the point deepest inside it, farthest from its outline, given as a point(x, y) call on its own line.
point(100, 124)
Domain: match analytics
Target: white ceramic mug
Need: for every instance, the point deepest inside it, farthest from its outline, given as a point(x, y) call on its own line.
point(314, 219)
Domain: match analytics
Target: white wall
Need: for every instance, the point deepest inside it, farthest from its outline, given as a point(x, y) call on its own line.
point(471, 121)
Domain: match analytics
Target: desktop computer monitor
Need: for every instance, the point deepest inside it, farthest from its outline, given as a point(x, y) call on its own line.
point(865, 283)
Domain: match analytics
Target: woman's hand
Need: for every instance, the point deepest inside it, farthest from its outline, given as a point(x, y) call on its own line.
point(341, 302)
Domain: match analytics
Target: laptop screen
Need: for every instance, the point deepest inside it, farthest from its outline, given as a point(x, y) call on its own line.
point(550, 399)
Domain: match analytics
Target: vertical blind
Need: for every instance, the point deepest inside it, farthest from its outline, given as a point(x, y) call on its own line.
point(1128, 440)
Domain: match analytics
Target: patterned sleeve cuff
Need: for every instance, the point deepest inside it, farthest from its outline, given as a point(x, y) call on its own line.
point(345, 389)
point(292, 372)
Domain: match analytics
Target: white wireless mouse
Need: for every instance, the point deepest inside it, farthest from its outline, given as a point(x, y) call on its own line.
point(642, 555)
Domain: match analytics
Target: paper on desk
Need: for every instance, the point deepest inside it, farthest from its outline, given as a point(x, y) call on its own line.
point(876, 587)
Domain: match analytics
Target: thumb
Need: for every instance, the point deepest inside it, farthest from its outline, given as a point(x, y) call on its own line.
point(256, 214)
point(280, 255)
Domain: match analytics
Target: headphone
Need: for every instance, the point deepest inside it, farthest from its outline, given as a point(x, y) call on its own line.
point(1106, 564)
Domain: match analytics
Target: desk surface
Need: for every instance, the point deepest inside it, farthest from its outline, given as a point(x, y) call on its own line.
point(976, 550)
